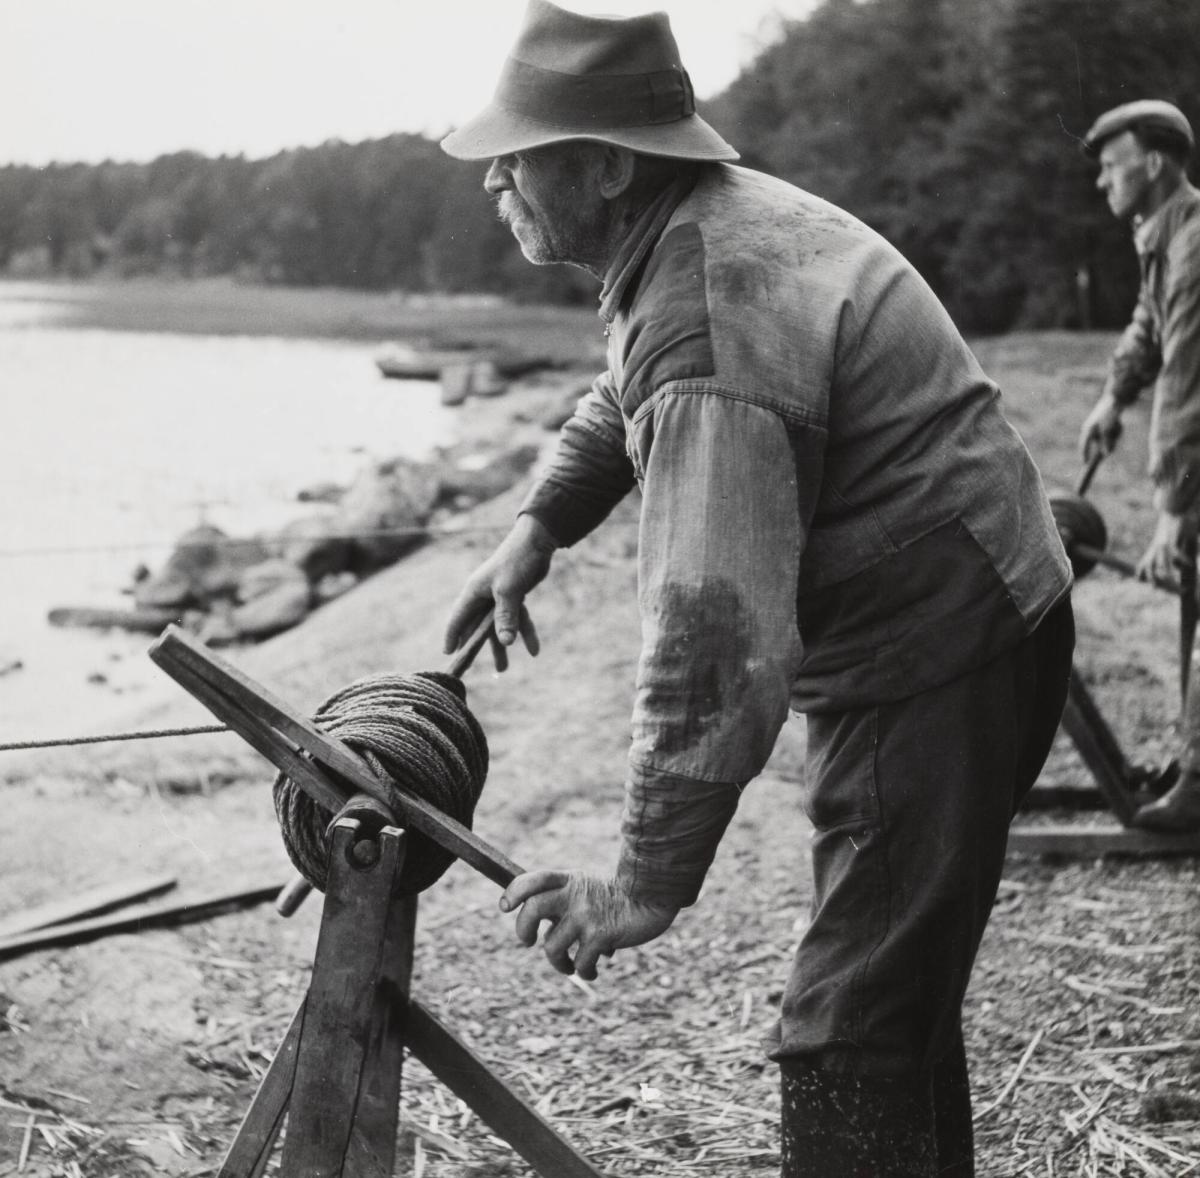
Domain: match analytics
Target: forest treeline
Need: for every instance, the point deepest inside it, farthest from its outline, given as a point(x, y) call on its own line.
point(951, 126)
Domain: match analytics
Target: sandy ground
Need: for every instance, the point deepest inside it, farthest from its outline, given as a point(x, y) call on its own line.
point(138, 1053)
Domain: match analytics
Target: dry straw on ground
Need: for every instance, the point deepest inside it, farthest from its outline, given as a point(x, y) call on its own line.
point(1082, 1020)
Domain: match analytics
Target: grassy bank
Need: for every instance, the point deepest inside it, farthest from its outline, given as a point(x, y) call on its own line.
point(220, 306)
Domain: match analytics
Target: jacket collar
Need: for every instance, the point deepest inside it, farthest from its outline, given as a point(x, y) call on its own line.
point(1152, 233)
point(640, 240)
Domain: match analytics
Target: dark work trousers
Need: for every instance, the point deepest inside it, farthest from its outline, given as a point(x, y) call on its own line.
point(911, 803)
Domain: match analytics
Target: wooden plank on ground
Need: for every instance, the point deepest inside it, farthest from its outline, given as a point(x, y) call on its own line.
point(141, 621)
point(140, 917)
point(1088, 841)
point(88, 903)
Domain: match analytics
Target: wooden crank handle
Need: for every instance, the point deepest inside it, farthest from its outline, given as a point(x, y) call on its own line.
point(464, 656)
point(1124, 567)
point(293, 894)
point(1089, 473)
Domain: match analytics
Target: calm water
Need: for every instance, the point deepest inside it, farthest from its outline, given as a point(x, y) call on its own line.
point(114, 443)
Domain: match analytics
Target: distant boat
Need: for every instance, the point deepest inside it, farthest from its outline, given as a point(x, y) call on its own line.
point(405, 362)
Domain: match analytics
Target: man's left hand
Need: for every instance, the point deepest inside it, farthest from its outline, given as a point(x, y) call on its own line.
point(1166, 554)
point(596, 915)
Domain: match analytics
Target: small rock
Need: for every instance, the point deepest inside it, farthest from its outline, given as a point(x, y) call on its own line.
point(392, 498)
point(315, 544)
point(333, 585)
point(473, 486)
point(206, 563)
point(274, 596)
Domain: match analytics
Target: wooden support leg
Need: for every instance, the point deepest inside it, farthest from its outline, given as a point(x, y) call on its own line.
point(1098, 747)
point(251, 1148)
point(345, 1099)
point(474, 1083)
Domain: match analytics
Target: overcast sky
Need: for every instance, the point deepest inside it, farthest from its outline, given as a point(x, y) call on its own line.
point(132, 79)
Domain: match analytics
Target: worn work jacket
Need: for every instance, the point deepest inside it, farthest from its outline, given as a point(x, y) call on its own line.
point(835, 511)
point(1162, 345)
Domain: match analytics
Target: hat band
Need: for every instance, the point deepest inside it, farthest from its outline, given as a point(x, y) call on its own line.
point(606, 100)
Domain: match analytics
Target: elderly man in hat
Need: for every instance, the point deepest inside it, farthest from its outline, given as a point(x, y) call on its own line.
point(1143, 149)
point(836, 517)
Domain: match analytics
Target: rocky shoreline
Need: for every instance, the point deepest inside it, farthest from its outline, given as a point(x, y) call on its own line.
point(241, 589)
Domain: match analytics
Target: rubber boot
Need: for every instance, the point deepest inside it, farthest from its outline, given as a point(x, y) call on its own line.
point(837, 1125)
point(1177, 811)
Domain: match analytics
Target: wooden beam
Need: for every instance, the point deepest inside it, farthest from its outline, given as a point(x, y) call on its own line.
point(247, 1157)
point(1089, 841)
point(142, 621)
point(473, 1082)
point(261, 737)
point(1064, 797)
point(1098, 747)
point(95, 900)
point(138, 918)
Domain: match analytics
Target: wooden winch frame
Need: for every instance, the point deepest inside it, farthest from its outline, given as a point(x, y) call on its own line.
point(337, 1075)
point(1121, 785)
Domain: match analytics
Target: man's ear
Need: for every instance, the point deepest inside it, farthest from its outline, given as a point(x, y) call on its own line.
point(1154, 164)
point(617, 165)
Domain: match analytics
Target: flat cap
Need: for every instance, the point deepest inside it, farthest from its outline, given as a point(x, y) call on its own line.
point(1146, 112)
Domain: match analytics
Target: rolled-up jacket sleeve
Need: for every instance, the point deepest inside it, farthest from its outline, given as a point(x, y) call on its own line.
point(591, 471)
point(729, 489)
point(1176, 425)
point(1136, 359)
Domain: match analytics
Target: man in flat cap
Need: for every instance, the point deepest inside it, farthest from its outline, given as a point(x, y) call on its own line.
point(835, 516)
point(1143, 149)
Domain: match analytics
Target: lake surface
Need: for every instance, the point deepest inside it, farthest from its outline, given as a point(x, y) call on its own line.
point(115, 443)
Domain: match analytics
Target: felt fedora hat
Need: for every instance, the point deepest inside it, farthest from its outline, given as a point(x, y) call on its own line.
point(615, 80)
point(1145, 112)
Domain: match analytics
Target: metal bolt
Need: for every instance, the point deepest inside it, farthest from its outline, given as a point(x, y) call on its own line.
point(365, 853)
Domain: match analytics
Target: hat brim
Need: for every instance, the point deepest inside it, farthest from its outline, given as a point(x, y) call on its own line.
point(498, 132)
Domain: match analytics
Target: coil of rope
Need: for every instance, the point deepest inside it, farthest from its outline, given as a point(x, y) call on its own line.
point(415, 731)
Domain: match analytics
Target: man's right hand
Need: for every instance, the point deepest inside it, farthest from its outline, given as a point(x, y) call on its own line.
point(1101, 429)
point(519, 563)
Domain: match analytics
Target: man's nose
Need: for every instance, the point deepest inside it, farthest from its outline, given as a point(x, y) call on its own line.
point(499, 175)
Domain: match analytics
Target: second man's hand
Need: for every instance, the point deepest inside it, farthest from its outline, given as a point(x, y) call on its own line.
point(594, 916)
point(1168, 550)
point(1101, 429)
point(519, 563)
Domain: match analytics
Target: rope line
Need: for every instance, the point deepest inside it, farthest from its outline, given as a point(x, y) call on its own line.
point(415, 731)
point(103, 738)
point(447, 533)
point(239, 542)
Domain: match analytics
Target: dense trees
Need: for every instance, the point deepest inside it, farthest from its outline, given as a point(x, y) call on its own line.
point(393, 213)
point(951, 126)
